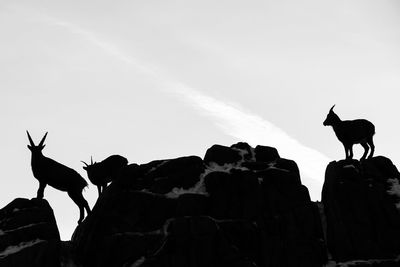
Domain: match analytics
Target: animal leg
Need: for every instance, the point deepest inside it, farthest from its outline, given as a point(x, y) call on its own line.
point(346, 152)
point(86, 205)
point(349, 151)
point(40, 192)
point(366, 148)
point(81, 202)
point(370, 141)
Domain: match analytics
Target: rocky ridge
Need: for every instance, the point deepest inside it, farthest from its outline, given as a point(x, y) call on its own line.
point(238, 206)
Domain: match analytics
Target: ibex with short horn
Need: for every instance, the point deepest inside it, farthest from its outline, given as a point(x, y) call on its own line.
point(352, 132)
point(49, 172)
point(101, 173)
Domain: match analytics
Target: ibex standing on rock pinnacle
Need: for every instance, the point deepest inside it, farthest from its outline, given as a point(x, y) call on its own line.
point(352, 132)
point(49, 172)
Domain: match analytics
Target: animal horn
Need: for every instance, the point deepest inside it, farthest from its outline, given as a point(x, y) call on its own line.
point(42, 141)
point(85, 163)
point(91, 160)
point(30, 139)
point(331, 110)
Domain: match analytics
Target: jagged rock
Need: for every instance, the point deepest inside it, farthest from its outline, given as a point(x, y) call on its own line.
point(234, 195)
point(362, 219)
point(230, 210)
point(135, 203)
point(293, 238)
point(119, 212)
point(240, 206)
point(266, 153)
point(182, 172)
point(196, 242)
point(161, 176)
point(192, 205)
point(222, 155)
point(28, 234)
point(370, 263)
point(203, 241)
point(68, 255)
point(245, 150)
point(289, 165)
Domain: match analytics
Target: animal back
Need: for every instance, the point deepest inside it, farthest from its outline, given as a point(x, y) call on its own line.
point(59, 176)
point(354, 131)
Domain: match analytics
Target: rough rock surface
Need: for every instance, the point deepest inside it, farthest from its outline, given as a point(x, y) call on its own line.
point(28, 234)
point(239, 206)
point(362, 219)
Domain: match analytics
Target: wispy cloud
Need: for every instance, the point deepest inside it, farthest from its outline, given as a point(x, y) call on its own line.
point(96, 40)
point(108, 47)
point(246, 126)
point(232, 119)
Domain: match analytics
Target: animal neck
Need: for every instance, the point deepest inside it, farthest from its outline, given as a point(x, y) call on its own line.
point(36, 156)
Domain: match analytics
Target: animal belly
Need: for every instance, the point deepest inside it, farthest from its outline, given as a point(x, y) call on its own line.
point(359, 141)
point(58, 183)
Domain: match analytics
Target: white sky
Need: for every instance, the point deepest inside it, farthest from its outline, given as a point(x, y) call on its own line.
point(163, 79)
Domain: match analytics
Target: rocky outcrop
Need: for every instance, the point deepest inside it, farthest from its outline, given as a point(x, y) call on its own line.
point(28, 234)
point(362, 219)
point(239, 206)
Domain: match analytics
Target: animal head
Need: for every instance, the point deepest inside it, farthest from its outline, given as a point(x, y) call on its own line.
point(331, 118)
point(88, 167)
point(35, 149)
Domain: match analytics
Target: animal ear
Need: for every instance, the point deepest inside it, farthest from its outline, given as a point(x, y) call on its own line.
point(331, 110)
point(30, 147)
point(85, 168)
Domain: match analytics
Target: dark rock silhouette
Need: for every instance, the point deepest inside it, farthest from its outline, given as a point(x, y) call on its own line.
point(29, 234)
point(222, 155)
point(352, 132)
point(362, 219)
point(235, 208)
point(161, 176)
point(49, 172)
point(196, 241)
point(240, 206)
point(265, 153)
point(103, 172)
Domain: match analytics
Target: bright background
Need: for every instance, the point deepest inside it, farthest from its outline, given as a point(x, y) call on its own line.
point(162, 79)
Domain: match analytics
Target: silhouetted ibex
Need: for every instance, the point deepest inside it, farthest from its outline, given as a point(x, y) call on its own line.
point(100, 174)
point(49, 172)
point(352, 132)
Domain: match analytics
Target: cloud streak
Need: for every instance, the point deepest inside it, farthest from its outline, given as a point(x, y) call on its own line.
point(246, 126)
point(232, 119)
point(90, 37)
point(107, 47)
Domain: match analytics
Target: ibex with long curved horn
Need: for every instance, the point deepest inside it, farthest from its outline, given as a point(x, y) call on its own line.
point(352, 132)
point(49, 172)
point(101, 173)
